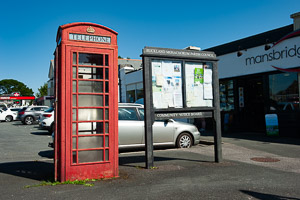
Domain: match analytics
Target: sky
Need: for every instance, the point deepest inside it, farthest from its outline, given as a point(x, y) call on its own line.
point(28, 28)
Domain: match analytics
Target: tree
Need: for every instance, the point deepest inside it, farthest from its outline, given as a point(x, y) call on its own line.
point(43, 91)
point(8, 86)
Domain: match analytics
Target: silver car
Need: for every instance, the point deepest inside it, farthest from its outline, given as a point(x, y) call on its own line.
point(168, 132)
point(30, 114)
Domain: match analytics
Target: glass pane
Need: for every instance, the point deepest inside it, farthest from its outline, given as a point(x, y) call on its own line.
point(74, 129)
point(74, 72)
point(106, 60)
point(141, 112)
point(106, 114)
point(74, 157)
point(106, 141)
point(88, 128)
point(130, 96)
point(106, 155)
point(74, 115)
point(88, 114)
point(90, 73)
point(284, 91)
point(90, 87)
point(106, 87)
point(74, 58)
point(127, 114)
point(90, 156)
point(106, 100)
point(90, 100)
point(106, 74)
point(106, 127)
point(74, 86)
point(90, 59)
point(74, 101)
point(74, 143)
point(90, 142)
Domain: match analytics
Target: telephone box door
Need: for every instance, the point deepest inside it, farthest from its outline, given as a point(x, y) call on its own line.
point(91, 146)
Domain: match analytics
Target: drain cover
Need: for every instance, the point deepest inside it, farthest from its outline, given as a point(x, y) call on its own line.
point(261, 159)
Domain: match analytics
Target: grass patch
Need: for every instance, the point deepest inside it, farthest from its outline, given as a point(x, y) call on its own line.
point(85, 182)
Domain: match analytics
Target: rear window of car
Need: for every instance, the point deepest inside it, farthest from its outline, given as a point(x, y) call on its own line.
point(49, 109)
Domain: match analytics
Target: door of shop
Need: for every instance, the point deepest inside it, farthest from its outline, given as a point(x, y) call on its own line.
point(251, 112)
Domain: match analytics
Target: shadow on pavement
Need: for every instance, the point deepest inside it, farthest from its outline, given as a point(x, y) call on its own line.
point(41, 133)
point(41, 171)
point(131, 160)
point(258, 195)
point(47, 154)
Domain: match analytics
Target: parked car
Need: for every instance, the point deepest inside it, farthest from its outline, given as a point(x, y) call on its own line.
point(165, 133)
point(31, 114)
point(7, 115)
point(46, 120)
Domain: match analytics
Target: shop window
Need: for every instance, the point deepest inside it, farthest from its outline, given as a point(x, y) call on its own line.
point(134, 92)
point(226, 95)
point(284, 91)
point(130, 96)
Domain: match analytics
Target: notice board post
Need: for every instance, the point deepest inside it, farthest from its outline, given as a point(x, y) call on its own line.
point(180, 84)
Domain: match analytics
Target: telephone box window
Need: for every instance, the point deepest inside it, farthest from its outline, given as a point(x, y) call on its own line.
point(106, 114)
point(74, 72)
point(74, 130)
point(88, 128)
point(90, 73)
point(106, 100)
point(85, 100)
point(90, 156)
point(74, 101)
point(106, 74)
point(88, 114)
point(74, 143)
point(106, 87)
point(90, 87)
point(74, 58)
point(90, 59)
point(74, 86)
point(106, 60)
point(106, 142)
point(106, 155)
point(74, 115)
point(88, 142)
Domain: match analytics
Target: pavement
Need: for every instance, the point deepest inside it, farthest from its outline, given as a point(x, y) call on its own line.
point(254, 166)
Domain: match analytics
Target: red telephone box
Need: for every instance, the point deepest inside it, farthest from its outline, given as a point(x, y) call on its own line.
point(86, 93)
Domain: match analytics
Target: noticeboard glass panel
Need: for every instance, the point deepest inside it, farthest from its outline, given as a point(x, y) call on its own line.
point(167, 84)
point(199, 84)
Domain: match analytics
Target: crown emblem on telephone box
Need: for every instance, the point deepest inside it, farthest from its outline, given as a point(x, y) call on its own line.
point(90, 30)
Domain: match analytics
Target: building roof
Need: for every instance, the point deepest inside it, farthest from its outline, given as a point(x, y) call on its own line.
point(271, 36)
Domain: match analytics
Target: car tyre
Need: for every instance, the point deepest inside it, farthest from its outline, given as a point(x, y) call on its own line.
point(8, 118)
point(28, 120)
point(184, 140)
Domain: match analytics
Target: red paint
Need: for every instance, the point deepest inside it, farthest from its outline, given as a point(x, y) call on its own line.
point(93, 40)
point(17, 98)
point(286, 70)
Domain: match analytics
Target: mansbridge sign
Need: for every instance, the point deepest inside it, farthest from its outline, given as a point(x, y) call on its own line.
point(284, 55)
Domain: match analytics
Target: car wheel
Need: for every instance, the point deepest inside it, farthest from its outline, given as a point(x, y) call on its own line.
point(8, 118)
point(28, 120)
point(184, 140)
